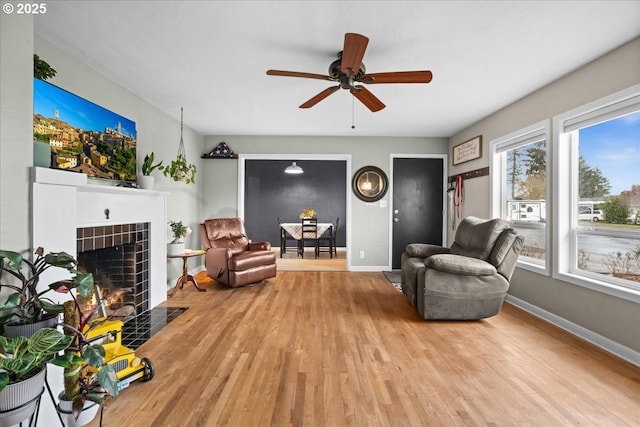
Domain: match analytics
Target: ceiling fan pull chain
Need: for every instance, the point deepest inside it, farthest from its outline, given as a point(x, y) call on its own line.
point(353, 114)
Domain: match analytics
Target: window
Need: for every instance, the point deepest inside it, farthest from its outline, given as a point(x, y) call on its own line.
point(598, 195)
point(519, 189)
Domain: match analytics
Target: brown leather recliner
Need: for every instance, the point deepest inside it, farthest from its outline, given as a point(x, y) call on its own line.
point(231, 258)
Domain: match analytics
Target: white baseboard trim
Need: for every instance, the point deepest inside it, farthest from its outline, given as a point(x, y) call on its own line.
point(369, 268)
point(604, 343)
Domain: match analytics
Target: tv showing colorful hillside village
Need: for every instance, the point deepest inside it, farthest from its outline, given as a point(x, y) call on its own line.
point(83, 137)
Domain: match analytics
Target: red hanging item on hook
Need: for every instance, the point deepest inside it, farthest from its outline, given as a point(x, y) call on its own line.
point(458, 198)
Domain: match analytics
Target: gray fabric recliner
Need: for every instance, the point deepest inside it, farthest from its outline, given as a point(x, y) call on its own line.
point(467, 281)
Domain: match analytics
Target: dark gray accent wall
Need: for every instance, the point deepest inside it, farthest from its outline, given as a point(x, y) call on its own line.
point(270, 193)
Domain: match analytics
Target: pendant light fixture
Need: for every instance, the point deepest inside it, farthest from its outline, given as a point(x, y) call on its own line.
point(293, 169)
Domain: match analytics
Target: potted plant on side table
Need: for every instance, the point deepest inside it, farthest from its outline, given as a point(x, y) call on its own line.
point(23, 371)
point(179, 232)
point(26, 309)
point(146, 179)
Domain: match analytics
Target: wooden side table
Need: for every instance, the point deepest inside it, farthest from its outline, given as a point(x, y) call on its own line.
point(186, 277)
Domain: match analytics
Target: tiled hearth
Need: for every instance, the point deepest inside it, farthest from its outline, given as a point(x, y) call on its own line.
point(138, 330)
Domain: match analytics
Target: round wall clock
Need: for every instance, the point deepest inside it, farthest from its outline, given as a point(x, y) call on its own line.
point(370, 184)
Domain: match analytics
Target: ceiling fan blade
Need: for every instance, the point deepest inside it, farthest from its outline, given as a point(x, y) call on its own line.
point(352, 53)
point(319, 97)
point(398, 77)
point(367, 98)
point(298, 74)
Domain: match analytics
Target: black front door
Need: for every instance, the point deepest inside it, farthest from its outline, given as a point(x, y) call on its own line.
point(418, 211)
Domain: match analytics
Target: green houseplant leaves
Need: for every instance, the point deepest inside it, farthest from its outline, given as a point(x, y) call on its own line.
point(180, 170)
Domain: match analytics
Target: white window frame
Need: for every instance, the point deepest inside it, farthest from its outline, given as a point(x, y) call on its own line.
point(520, 138)
point(565, 170)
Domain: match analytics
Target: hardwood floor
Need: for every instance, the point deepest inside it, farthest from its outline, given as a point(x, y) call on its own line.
point(334, 348)
point(290, 261)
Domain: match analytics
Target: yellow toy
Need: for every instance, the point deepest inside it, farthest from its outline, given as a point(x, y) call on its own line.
point(127, 365)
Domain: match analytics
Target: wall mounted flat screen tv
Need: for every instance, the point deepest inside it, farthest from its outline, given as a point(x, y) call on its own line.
point(82, 136)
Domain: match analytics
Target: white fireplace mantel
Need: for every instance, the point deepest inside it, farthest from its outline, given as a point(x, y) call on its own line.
point(63, 201)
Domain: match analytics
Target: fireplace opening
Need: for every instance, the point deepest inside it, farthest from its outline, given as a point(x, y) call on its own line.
point(118, 258)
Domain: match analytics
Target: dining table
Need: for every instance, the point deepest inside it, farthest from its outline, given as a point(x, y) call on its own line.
point(295, 228)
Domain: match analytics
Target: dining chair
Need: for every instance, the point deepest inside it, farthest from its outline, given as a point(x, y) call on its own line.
point(327, 241)
point(333, 237)
point(285, 238)
point(309, 234)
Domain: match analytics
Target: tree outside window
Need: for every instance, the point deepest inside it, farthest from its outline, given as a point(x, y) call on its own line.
point(520, 185)
point(609, 182)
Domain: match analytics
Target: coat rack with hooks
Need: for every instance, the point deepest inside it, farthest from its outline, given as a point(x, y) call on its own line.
point(476, 173)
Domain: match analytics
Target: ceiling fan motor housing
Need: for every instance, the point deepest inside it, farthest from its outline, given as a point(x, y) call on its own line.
point(336, 74)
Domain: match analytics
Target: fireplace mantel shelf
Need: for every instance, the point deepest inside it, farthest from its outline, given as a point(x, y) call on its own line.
point(82, 183)
point(91, 188)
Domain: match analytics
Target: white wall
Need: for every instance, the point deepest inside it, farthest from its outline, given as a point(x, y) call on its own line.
point(16, 129)
point(609, 317)
point(222, 200)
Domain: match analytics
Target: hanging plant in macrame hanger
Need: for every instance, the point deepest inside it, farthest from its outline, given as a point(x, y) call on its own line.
point(180, 169)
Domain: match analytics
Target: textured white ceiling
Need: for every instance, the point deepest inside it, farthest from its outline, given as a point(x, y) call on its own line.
point(211, 57)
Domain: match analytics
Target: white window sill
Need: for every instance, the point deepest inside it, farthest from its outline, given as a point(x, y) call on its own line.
point(618, 291)
point(535, 268)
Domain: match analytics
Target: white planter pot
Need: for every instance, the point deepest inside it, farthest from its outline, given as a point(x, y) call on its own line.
point(87, 415)
point(22, 396)
point(28, 329)
point(146, 182)
point(175, 249)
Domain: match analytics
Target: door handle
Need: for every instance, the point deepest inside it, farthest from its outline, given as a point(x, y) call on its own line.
point(395, 220)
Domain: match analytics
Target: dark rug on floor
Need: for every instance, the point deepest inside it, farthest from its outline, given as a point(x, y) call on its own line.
point(394, 278)
point(136, 331)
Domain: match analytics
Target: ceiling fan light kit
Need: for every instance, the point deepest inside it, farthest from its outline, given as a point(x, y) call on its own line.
point(349, 70)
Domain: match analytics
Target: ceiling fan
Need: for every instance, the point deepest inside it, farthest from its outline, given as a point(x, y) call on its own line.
point(348, 70)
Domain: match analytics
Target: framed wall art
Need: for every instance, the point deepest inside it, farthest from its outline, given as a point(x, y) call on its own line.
point(468, 150)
